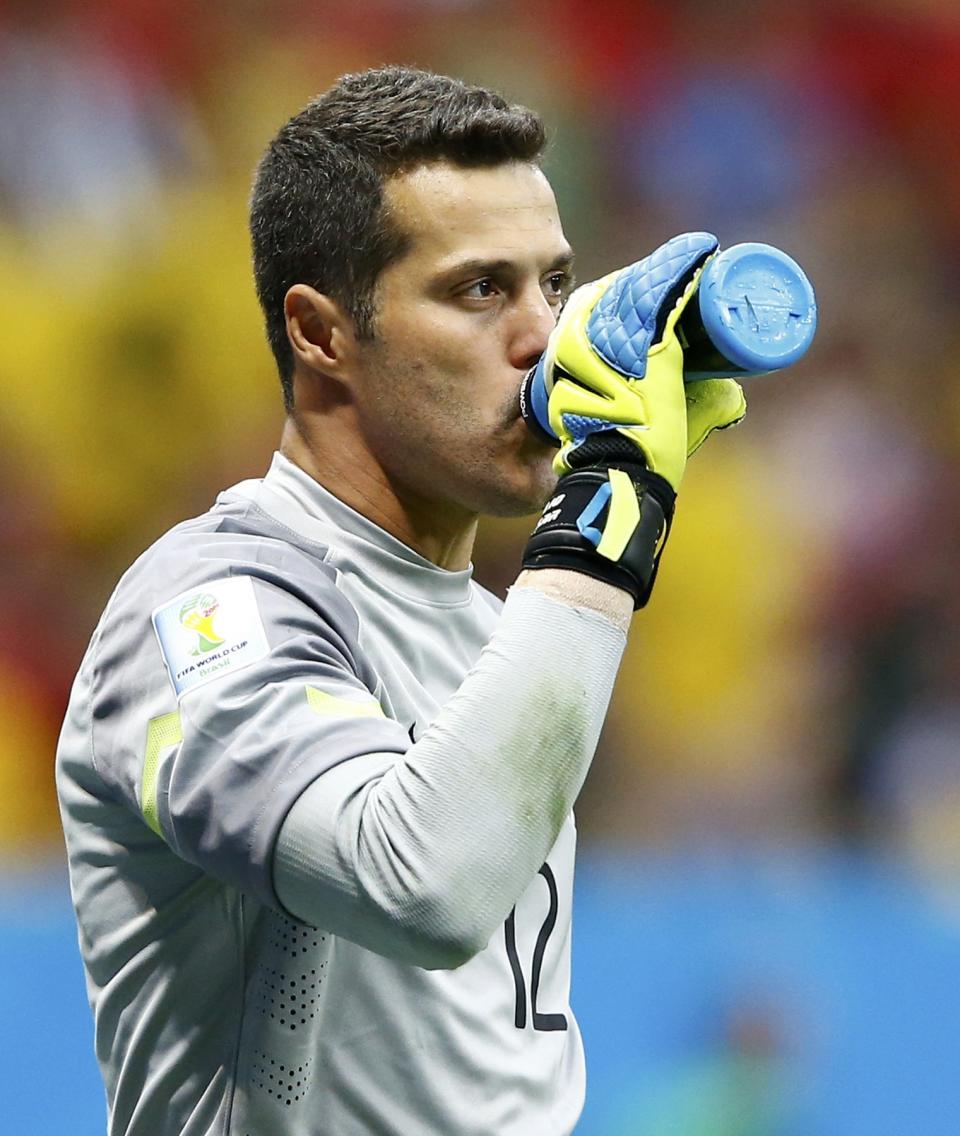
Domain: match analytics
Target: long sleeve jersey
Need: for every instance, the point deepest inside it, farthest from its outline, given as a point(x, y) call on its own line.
point(278, 649)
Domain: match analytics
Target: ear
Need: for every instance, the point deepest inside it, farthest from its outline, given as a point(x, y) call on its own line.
point(320, 331)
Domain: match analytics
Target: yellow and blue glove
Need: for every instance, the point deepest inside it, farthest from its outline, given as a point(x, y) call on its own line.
point(609, 389)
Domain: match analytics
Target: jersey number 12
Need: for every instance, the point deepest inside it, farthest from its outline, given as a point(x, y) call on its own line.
point(544, 1022)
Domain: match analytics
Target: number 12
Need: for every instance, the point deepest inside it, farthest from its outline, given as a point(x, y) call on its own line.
point(544, 1022)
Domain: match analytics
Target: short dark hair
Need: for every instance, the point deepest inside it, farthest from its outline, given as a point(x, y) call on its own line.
point(316, 211)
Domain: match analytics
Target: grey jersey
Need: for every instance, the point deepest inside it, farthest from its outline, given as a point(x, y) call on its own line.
point(245, 654)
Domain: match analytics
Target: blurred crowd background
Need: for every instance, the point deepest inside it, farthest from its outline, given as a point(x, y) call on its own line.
point(792, 694)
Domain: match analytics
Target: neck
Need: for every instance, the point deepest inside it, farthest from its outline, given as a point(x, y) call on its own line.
point(339, 460)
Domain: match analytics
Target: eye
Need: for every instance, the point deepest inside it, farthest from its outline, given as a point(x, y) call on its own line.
point(480, 289)
point(557, 286)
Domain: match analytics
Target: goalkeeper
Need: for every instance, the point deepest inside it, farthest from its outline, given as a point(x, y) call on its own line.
point(316, 784)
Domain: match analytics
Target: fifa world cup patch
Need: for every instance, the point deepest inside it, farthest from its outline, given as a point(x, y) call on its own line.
point(210, 631)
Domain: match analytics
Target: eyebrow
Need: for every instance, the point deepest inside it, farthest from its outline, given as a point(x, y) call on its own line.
point(479, 266)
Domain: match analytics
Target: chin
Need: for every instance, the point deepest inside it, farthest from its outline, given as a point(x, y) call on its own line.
point(527, 493)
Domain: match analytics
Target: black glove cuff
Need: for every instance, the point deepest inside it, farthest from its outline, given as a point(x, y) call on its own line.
point(575, 520)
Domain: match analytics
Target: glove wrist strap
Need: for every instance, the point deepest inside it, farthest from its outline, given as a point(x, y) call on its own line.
point(608, 522)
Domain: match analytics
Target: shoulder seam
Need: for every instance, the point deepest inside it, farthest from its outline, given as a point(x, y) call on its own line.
point(299, 538)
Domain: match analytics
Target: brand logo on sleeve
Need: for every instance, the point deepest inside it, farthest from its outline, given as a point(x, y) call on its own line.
point(205, 634)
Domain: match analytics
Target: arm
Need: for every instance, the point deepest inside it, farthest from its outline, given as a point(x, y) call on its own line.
point(422, 858)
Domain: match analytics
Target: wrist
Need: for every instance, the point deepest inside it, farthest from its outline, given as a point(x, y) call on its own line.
point(606, 523)
point(575, 589)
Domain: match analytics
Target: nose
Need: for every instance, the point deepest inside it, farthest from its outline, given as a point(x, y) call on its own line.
point(534, 319)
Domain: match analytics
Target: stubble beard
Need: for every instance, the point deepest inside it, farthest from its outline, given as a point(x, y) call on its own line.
point(508, 474)
point(520, 490)
point(512, 472)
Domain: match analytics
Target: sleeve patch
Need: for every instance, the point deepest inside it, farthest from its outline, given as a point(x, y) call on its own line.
point(210, 631)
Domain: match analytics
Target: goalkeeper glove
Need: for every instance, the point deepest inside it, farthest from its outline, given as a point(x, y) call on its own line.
point(612, 379)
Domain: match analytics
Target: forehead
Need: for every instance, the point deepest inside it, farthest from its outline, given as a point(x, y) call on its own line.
point(507, 211)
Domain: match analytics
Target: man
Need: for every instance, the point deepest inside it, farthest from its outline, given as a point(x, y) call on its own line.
point(316, 787)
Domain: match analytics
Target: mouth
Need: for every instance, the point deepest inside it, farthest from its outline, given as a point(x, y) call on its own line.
point(531, 443)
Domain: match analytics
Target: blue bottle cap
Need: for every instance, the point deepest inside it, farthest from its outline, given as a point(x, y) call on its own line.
point(757, 307)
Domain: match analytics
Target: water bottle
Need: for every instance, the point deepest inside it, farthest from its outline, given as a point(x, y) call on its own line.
point(754, 312)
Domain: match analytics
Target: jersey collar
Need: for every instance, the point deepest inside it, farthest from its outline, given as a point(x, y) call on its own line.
point(293, 497)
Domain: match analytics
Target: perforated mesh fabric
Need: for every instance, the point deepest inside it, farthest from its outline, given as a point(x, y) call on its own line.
point(288, 979)
point(285, 1083)
point(604, 447)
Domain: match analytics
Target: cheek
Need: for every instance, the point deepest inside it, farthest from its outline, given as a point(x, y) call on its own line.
point(443, 379)
point(448, 382)
point(418, 412)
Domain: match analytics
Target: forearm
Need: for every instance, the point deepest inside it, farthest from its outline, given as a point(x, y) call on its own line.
point(422, 858)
